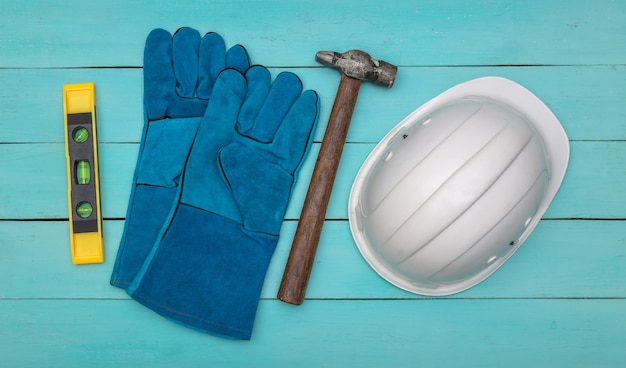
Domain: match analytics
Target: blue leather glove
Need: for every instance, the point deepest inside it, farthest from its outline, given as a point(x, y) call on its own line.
point(207, 269)
point(179, 74)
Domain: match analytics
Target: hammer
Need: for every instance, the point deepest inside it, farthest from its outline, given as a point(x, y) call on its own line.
point(355, 66)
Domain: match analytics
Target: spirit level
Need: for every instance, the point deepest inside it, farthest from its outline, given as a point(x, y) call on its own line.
point(81, 151)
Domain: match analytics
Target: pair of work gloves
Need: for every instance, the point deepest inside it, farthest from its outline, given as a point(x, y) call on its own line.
point(219, 155)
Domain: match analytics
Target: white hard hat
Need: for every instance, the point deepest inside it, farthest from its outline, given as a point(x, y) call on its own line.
point(454, 189)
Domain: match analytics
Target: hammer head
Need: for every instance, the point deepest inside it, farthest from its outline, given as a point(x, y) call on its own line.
point(360, 65)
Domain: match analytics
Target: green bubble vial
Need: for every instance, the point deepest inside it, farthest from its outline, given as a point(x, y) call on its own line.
point(83, 172)
point(84, 209)
point(80, 135)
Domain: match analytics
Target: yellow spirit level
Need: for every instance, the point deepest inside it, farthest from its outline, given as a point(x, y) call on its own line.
point(81, 151)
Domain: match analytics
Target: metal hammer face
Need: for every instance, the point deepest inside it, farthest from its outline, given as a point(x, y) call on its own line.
point(360, 65)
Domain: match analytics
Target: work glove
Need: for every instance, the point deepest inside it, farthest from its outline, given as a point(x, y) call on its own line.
point(207, 268)
point(179, 74)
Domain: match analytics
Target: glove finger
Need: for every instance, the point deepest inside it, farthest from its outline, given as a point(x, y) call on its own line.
point(185, 49)
point(296, 132)
point(237, 58)
point(221, 113)
point(211, 62)
point(282, 94)
point(159, 79)
point(259, 80)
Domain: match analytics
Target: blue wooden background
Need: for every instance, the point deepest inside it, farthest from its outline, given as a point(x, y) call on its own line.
point(559, 302)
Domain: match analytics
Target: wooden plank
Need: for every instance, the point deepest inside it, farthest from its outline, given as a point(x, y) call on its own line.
point(555, 262)
point(562, 259)
point(36, 258)
point(287, 33)
point(401, 333)
point(593, 186)
point(119, 96)
point(592, 166)
point(597, 114)
point(35, 184)
point(560, 301)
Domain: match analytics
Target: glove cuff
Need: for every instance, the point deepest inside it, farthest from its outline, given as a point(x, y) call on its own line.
point(206, 273)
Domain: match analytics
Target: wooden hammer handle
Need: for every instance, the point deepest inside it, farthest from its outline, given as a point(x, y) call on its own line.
point(304, 246)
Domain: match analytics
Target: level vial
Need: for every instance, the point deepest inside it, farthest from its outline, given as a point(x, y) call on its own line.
point(83, 172)
point(80, 135)
point(84, 209)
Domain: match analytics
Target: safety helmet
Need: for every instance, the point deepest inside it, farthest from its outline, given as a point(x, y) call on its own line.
point(453, 190)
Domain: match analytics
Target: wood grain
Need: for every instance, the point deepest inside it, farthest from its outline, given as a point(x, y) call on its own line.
point(304, 246)
point(289, 33)
point(559, 302)
point(345, 333)
point(592, 189)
